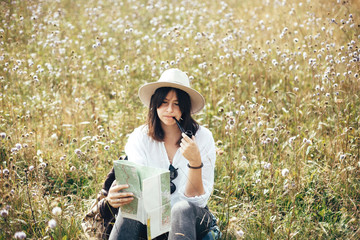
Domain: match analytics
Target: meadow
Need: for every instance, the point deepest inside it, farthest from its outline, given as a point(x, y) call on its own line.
point(281, 81)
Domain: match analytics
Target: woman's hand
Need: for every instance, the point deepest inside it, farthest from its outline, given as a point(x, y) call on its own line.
point(190, 150)
point(116, 198)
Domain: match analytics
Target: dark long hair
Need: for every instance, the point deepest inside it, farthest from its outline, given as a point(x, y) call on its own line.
point(153, 121)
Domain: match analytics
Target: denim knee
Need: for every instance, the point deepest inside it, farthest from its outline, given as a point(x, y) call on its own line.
point(182, 209)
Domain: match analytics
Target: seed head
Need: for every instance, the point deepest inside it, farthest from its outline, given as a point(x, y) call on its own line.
point(42, 165)
point(266, 165)
point(52, 223)
point(4, 213)
point(284, 172)
point(78, 151)
point(56, 211)
point(240, 233)
point(20, 235)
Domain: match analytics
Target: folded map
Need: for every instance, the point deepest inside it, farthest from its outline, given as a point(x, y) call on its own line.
point(151, 188)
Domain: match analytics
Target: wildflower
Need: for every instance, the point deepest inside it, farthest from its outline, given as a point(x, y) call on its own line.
point(54, 136)
point(56, 211)
point(244, 158)
point(13, 150)
point(107, 147)
point(52, 223)
point(42, 165)
point(219, 151)
point(2, 135)
point(31, 168)
point(342, 156)
point(284, 172)
point(240, 233)
point(6, 171)
point(18, 146)
point(73, 168)
point(78, 151)
point(20, 235)
point(266, 165)
point(4, 213)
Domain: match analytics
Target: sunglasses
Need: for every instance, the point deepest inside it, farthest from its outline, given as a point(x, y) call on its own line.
point(173, 175)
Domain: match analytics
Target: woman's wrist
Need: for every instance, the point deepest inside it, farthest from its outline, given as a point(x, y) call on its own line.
point(195, 166)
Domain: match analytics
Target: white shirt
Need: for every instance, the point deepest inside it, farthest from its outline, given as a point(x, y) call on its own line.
point(144, 150)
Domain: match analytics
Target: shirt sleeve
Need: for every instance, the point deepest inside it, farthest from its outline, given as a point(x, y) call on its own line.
point(208, 157)
point(135, 147)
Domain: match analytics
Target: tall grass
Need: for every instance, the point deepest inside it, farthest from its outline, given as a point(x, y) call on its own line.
point(281, 80)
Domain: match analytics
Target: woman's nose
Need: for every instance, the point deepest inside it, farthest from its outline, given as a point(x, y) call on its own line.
point(170, 108)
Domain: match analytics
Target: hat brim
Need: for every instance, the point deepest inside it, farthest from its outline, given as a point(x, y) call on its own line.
point(147, 90)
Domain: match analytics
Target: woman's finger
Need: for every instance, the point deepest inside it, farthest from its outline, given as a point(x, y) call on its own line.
point(118, 202)
point(118, 188)
point(121, 195)
point(185, 137)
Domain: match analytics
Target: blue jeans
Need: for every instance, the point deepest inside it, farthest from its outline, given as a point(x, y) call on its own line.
point(187, 222)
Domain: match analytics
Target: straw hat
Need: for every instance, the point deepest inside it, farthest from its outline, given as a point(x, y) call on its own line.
point(174, 78)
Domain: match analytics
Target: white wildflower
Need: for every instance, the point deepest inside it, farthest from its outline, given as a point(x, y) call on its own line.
point(4, 213)
point(56, 211)
point(20, 235)
point(2, 135)
point(240, 233)
point(52, 223)
point(18, 146)
point(78, 151)
point(284, 172)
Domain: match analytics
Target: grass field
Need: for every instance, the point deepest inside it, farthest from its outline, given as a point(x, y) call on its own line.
point(281, 79)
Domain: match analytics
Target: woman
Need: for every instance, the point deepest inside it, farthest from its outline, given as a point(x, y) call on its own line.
point(161, 144)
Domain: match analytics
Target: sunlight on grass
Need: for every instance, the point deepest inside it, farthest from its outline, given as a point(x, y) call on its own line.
point(281, 80)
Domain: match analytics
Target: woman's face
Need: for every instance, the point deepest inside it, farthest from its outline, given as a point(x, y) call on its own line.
point(169, 109)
